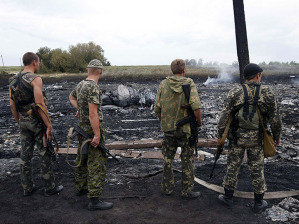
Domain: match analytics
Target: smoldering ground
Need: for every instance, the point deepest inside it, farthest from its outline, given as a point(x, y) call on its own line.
point(128, 115)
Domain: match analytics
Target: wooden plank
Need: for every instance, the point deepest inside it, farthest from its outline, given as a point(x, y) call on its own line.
point(118, 147)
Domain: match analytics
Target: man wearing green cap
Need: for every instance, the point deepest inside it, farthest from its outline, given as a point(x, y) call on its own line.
point(90, 175)
point(246, 133)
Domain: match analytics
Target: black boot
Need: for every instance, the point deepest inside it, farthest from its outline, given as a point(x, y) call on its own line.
point(191, 195)
point(227, 198)
point(81, 192)
point(55, 190)
point(96, 204)
point(259, 203)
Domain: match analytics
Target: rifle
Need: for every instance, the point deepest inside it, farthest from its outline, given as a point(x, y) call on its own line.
point(46, 144)
point(77, 131)
point(193, 140)
point(220, 145)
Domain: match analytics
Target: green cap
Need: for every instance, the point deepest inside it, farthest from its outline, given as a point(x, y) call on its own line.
point(95, 63)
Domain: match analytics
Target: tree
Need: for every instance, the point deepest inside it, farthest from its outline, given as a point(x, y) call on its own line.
point(193, 62)
point(82, 54)
point(200, 62)
point(44, 54)
point(60, 61)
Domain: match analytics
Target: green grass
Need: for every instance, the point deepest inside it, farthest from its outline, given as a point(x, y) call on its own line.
point(153, 72)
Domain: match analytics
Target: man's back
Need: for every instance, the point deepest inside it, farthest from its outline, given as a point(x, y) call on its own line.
point(87, 91)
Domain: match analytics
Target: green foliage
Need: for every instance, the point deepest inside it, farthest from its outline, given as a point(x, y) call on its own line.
point(75, 59)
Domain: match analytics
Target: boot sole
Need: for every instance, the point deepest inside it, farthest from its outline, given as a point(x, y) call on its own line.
point(226, 205)
point(93, 209)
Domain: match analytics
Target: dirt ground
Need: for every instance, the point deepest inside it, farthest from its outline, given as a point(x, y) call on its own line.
point(138, 200)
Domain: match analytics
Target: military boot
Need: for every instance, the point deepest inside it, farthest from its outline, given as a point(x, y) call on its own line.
point(191, 195)
point(259, 203)
point(55, 190)
point(81, 192)
point(227, 198)
point(96, 204)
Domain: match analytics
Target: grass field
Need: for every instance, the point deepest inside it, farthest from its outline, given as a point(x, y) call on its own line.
point(155, 72)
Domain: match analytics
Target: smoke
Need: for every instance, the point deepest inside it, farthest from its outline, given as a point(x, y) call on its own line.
point(294, 79)
point(223, 77)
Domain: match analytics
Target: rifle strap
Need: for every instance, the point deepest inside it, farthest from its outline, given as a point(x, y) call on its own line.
point(80, 149)
point(257, 109)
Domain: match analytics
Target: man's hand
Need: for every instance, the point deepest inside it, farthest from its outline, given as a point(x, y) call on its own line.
point(277, 142)
point(95, 141)
point(77, 114)
point(49, 133)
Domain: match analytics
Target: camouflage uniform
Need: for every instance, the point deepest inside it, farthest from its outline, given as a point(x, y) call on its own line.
point(170, 97)
point(31, 134)
point(241, 139)
point(91, 173)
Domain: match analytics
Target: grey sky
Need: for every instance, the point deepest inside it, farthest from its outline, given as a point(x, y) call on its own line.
point(155, 32)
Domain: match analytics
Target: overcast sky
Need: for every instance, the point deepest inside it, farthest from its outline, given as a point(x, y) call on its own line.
point(150, 32)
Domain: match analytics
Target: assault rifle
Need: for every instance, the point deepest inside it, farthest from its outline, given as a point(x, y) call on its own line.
point(46, 144)
point(220, 144)
point(217, 155)
point(193, 140)
point(80, 132)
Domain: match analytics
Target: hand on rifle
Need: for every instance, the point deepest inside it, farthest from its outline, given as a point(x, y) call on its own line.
point(77, 114)
point(277, 142)
point(95, 141)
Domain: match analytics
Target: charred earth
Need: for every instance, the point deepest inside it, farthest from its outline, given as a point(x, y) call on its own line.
point(128, 115)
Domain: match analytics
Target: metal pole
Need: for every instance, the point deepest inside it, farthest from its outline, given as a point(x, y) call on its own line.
point(241, 36)
point(2, 61)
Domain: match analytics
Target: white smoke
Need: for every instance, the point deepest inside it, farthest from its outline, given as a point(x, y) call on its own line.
point(223, 77)
point(294, 79)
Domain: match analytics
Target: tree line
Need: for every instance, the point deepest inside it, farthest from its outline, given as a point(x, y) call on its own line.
point(199, 63)
point(74, 60)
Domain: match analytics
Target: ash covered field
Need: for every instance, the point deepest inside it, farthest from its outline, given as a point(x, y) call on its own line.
point(128, 115)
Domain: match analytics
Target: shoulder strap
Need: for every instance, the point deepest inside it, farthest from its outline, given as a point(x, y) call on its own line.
point(257, 109)
point(255, 100)
point(187, 89)
point(246, 104)
point(23, 86)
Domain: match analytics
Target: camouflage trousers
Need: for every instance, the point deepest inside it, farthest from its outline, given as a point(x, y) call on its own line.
point(92, 171)
point(255, 162)
point(169, 148)
point(31, 134)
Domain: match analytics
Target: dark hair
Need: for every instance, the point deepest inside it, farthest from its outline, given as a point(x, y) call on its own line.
point(251, 76)
point(177, 66)
point(29, 57)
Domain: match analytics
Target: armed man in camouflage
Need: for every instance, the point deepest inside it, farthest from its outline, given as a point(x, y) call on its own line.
point(248, 135)
point(90, 175)
point(25, 89)
point(169, 100)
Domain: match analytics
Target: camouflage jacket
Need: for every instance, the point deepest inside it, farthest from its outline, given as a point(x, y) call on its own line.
point(87, 91)
point(170, 97)
point(267, 105)
point(21, 94)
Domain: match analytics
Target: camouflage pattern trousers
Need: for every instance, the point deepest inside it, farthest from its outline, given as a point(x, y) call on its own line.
point(91, 173)
point(255, 162)
point(31, 134)
point(169, 148)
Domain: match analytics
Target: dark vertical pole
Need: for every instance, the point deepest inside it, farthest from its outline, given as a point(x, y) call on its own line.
point(2, 61)
point(241, 36)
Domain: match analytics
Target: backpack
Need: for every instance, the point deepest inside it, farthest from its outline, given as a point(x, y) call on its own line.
point(21, 86)
point(247, 115)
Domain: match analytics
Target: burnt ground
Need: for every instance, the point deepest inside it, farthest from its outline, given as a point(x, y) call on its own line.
point(140, 200)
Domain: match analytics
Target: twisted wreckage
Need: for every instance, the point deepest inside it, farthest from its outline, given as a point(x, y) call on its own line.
point(133, 131)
